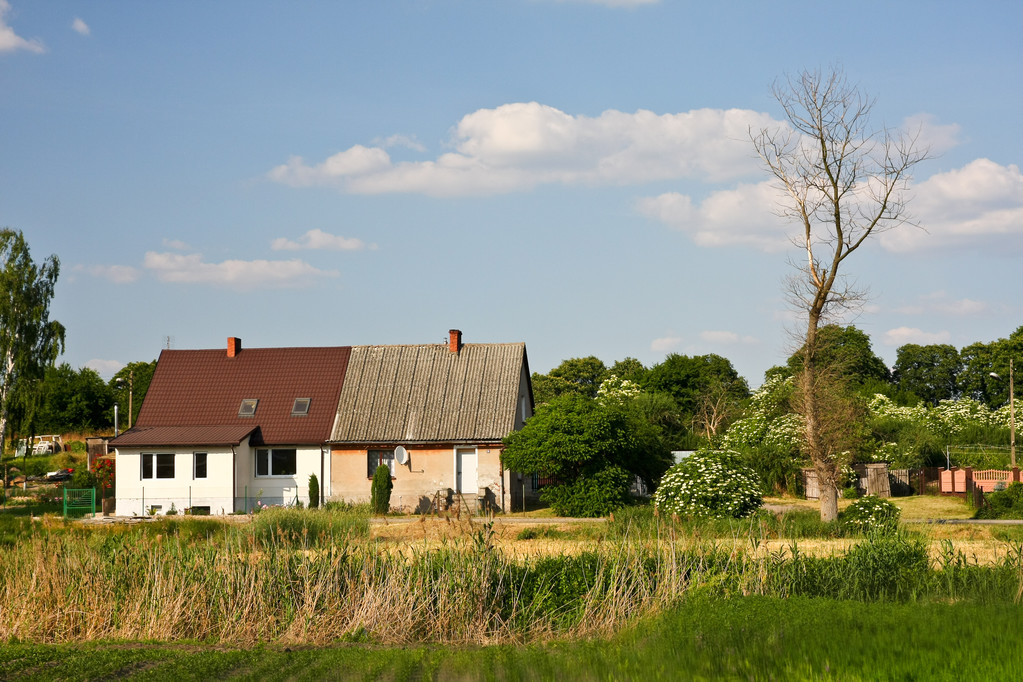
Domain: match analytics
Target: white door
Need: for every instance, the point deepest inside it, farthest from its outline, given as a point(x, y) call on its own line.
point(465, 473)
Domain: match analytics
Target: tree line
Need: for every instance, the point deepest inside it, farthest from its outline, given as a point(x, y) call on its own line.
point(599, 427)
point(68, 400)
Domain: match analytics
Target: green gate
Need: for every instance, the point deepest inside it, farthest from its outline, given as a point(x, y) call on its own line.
point(79, 502)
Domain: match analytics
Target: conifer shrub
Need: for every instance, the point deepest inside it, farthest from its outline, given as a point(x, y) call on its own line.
point(380, 493)
point(314, 491)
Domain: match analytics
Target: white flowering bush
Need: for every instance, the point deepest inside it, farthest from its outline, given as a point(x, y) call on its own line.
point(709, 483)
point(948, 416)
point(766, 421)
point(872, 514)
point(617, 390)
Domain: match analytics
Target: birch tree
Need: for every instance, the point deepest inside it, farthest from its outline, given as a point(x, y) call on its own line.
point(843, 182)
point(29, 340)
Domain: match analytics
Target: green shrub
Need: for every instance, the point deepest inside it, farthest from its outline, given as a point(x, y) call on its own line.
point(1003, 504)
point(872, 514)
point(82, 479)
point(308, 527)
point(380, 494)
point(709, 483)
point(885, 567)
point(590, 496)
point(536, 532)
point(35, 466)
point(314, 491)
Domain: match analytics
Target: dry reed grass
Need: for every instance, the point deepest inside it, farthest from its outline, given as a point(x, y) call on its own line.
point(428, 580)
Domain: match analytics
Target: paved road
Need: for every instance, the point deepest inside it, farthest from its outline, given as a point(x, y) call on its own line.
point(386, 520)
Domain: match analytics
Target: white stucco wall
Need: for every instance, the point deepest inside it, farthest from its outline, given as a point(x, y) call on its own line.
point(231, 483)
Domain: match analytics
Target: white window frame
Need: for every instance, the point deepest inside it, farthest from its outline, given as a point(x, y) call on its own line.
point(154, 466)
point(195, 466)
point(268, 453)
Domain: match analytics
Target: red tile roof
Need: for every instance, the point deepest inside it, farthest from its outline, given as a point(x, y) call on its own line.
point(148, 436)
point(204, 388)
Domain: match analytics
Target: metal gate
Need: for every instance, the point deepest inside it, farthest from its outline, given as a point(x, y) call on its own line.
point(79, 501)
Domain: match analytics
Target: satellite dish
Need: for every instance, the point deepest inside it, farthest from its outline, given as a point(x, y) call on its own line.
point(401, 455)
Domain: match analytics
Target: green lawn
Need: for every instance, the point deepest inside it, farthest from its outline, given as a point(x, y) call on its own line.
point(705, 638)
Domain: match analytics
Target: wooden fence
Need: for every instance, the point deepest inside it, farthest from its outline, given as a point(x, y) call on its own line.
point(878, 479)
point(961, 482)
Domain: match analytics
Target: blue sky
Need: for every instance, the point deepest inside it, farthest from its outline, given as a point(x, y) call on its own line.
point(576, 175)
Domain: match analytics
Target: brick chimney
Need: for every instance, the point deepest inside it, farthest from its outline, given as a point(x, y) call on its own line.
point(234, 346)
point(454, 340)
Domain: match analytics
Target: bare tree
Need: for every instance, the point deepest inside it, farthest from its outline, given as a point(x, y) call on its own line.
point(718, 405)
point(843, 182)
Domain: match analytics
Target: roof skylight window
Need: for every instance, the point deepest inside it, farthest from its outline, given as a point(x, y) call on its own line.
point(248, 407)
point(301, 407)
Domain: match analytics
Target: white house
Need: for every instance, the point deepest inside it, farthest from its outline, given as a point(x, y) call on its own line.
point(222, 431)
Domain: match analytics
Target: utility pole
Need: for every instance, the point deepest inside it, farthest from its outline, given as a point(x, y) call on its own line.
point(1012, 415)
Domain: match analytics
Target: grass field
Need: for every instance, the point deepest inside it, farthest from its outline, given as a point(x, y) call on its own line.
point(297, 594)
point(703, 638)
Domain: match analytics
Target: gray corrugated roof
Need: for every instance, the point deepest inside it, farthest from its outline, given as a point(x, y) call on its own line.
point(395, 394)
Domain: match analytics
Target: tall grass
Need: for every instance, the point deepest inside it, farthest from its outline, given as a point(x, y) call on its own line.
point(313, 577)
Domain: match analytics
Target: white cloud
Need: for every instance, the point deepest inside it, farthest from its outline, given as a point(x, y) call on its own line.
point(977, 206)
point(235, 274)
point(665, 344)
point(937, 138)
point(903, 335)
point(320, 240)
point(521, 145)
point(9, 40)
point(80, 27)
point(725, 338)
point(940, 302)
point(105, 368)
point(745, 216)
point(118, 274)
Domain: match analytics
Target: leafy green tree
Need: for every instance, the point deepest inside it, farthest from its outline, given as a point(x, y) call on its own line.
point(580, 376)
point(629, 368)
point(980, 360)
point(73, 400)
point(662, 411)
point(130, 385)
point(845, 351)
point(29, 340)
point(580, 442)
point(930, 372)
point(692, 380)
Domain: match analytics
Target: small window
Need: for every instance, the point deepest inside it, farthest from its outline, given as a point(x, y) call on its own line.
point(375, 458)
point(276, 462)
point(161, 465)
point(248, 407)
point(199, 465)
point(300, 408)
